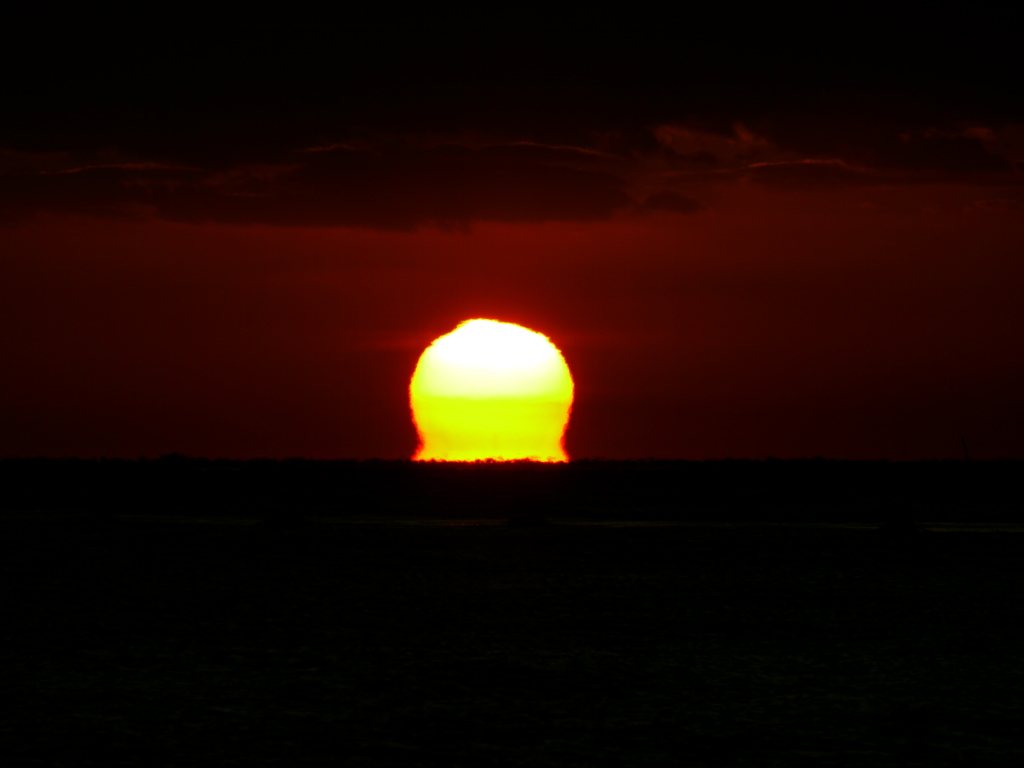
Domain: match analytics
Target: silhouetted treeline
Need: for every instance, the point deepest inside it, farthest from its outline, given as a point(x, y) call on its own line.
point(780, 490)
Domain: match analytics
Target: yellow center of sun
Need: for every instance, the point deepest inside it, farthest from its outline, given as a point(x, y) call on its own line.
point(491, 390)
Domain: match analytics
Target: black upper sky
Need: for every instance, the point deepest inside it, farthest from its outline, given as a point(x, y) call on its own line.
point(218, 91)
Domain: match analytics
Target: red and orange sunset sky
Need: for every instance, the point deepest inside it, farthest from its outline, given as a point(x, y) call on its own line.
point(744, 251)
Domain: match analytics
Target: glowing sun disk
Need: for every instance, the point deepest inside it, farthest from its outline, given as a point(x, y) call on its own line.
point(491, 390)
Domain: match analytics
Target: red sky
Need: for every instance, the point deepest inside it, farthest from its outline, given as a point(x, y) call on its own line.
point(867, 323)
point(795, 276)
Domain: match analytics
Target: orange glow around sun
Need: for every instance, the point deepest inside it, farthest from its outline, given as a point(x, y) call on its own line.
point(491, 390)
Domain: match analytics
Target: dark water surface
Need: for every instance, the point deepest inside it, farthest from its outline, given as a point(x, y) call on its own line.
point(181, 641)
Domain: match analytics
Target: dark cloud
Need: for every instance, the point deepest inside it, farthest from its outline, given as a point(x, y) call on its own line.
point(402, 184)
point(911, 144)
point(840, 173)
point(671, 202)
point(384, 188)
point(533, 152)
point(804, 173)
point(113, 191)
point(935, 151)
point(699, 159)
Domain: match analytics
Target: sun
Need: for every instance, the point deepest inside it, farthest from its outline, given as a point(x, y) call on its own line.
point(491, 390)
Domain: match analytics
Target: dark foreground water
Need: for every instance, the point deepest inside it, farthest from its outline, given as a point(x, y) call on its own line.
point(149, 641)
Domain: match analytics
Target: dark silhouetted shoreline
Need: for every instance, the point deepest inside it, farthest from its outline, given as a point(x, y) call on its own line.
point(771, 490)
